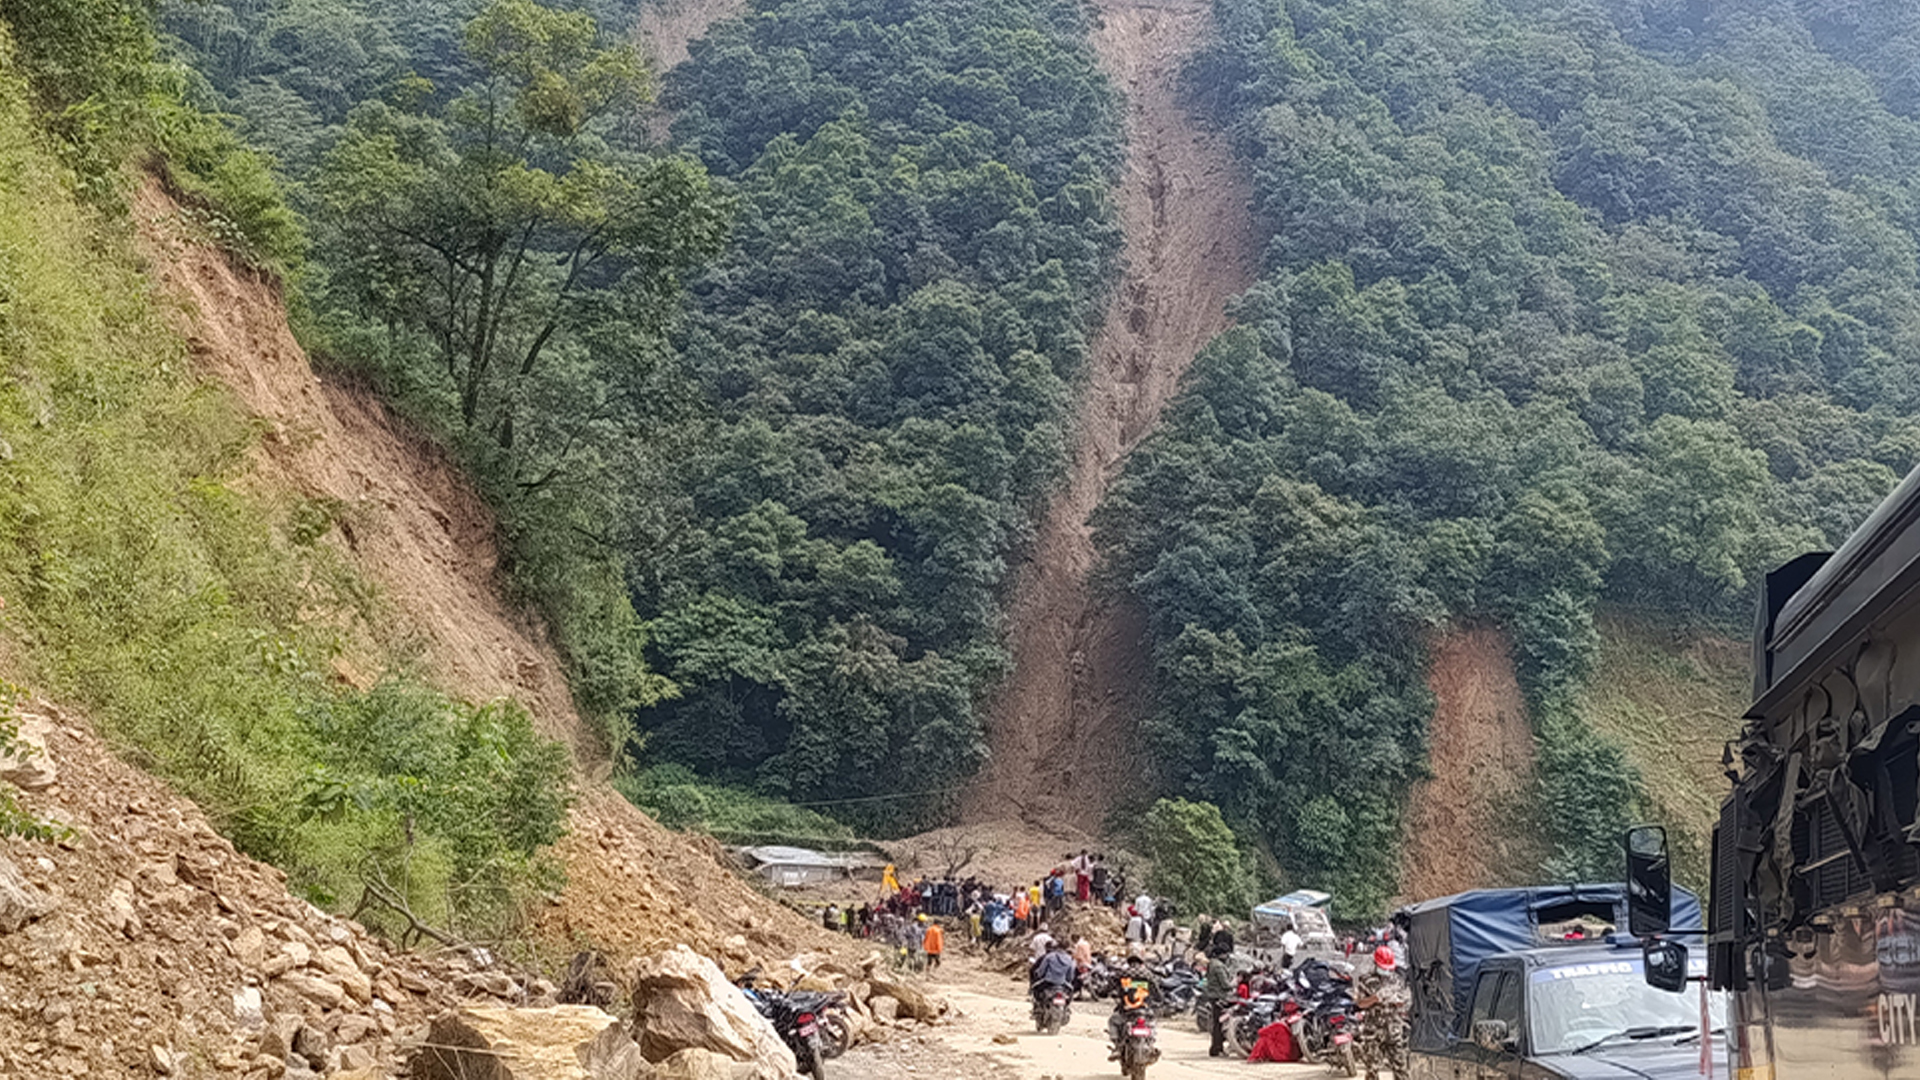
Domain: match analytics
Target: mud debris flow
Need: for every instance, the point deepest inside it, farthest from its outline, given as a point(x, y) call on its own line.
point(1062, 722)
point(1481, 751)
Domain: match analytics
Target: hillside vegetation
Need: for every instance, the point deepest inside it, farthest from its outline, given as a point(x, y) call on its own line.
point(1568, 304)
point(775, 544)
point(1566, 310)
point(194, 615)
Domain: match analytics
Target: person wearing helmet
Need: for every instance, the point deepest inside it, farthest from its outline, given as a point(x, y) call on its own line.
point(933, 942)
point(1136, 989)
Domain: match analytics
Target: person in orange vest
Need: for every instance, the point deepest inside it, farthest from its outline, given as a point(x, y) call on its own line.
point(933, 942)
point(1021, 908)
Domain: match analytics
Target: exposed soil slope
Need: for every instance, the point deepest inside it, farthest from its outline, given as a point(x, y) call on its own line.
point(665, 29)
point(1064, 720)
point(1458, 835)
point(409, 522)
point(415, 528)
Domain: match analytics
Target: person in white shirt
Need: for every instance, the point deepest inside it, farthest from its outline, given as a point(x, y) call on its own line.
point(1144, 906)
point(1289, 945)
point(1040, 941)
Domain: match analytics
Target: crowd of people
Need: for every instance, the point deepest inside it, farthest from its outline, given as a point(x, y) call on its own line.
point(906, 914)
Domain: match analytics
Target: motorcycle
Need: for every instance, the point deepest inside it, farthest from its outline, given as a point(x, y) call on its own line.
point(809, 1022)
point(1325, 1027)
point(1052, 1008)
point(1137, 1049)
point(1177, 991)
point(1100, 981)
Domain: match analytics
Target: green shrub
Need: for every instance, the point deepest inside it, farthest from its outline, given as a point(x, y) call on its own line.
point(1196, 859)
point(107, 98)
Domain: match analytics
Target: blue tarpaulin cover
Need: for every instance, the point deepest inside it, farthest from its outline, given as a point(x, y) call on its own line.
point(1447, 939)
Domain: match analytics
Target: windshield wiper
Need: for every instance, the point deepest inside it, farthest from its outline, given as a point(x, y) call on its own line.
point(1644, 1032)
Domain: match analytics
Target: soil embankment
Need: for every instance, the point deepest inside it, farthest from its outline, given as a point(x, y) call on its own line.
point(1458, 832)
point(411, 524)
point(1062, 724)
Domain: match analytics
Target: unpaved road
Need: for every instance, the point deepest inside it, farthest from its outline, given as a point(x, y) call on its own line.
point(966, 1048)
point(1062, 721)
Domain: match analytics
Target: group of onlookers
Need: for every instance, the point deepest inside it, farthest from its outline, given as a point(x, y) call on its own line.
point(904, 915)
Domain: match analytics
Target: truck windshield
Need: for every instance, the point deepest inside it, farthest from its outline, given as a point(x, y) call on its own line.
point(1574, 1006)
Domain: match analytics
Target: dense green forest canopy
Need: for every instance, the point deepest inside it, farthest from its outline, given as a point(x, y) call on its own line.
point(923, 240)
point(1567, 303)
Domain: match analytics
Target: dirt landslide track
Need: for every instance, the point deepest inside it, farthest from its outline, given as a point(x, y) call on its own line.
point(1062, 723)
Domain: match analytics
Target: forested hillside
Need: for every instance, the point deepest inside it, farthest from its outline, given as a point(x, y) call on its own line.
point(1568, 312)
point(888, 350)
point(1567, 306)
point(808, 486)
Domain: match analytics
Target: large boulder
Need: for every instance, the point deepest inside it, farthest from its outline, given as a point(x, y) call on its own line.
point(682, 1001)
point(20, 903)
point(24, 761)
point(698, 1065)
point(564, 1042)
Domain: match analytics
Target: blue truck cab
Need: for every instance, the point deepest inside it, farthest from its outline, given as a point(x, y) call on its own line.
point(1505, 988)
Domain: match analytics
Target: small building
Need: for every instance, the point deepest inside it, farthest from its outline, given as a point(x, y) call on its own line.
point(795, 867)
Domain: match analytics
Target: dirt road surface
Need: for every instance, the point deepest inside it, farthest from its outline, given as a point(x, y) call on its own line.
point(967, 1048)
point(1062, 722)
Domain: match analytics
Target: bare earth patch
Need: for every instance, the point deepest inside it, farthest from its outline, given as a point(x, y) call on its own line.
point(1065, 723)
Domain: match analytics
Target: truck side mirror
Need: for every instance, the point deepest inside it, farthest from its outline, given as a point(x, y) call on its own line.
point(1649, 885)
point(1492, 1036)
point(1664, 964)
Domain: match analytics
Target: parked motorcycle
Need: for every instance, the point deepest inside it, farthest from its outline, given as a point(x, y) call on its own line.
point(1177, 989)
point(1052, 1008)
point(1100, 981)
point(809, 1022)
point(1137, 1049)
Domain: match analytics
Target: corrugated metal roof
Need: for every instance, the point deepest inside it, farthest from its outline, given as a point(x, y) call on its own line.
point(782, 855)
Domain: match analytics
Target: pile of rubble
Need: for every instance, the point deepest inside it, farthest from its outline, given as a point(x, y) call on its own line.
point(138, 942)
point(689, 1023)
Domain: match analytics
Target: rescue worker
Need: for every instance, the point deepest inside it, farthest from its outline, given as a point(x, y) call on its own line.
point(933, 943)
point(1383, 1000)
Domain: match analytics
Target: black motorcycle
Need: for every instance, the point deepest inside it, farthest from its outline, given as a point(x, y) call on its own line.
point(1137, 1049)
point(1052, 1007)
point(807, 1021)
point(1177, 990)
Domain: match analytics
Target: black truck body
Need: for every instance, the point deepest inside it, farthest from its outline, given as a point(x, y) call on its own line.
point(1814, 912)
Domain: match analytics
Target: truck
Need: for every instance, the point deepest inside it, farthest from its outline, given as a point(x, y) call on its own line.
point(1540, 982)
point(1813, 916)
